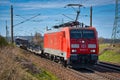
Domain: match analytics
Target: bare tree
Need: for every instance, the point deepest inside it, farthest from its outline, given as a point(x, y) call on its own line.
point(38, 39)
point(101, 40)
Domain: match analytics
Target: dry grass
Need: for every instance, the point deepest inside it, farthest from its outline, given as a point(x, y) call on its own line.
point(16, 64)
point(10, 69)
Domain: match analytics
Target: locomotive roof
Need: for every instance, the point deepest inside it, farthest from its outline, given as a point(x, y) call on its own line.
point(63, 28)
point(69, 25)
point(53, 30)
point(81, 27)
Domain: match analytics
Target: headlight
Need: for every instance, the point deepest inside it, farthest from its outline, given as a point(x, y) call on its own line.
point(74, 45)
point(83, 41)
point(92, 50)
point(91, 45)
point(73, 50)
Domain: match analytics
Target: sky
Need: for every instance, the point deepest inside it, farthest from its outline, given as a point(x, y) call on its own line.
point(47, 13)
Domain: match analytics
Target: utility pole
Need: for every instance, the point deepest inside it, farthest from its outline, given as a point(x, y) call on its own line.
point(12, 39)
point(7, 32)
point(47, 28)
point(116, 27)
point(91, 16)
point(31, 37)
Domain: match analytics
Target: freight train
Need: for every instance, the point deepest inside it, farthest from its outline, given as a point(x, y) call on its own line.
point(25, 44)
point(72, 44)
point(22, 43)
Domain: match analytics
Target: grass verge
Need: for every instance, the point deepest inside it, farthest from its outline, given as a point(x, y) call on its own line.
point(45, 75)
point(111, 54)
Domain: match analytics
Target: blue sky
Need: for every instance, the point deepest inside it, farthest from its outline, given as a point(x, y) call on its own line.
point(51, 14)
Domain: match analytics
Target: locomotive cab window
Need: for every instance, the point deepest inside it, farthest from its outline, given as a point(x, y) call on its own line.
point(88, 34)
point(77, 33)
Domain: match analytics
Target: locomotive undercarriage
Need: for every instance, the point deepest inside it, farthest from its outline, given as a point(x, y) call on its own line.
point(55, 58)
point(83, 60)
point(75, 60)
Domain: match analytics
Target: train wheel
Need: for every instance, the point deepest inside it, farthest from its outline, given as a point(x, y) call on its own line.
point(42, 54)
point(65, 63)
point(56, 59)
point(51, 57)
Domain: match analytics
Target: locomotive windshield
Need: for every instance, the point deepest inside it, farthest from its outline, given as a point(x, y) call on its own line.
point(87, 34)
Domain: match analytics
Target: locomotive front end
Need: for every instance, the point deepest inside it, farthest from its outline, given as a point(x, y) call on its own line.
point(83, 46)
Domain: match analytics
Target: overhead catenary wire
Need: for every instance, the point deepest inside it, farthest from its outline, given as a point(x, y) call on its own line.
point(30, 20)
point(26, 20)
point(67, 16)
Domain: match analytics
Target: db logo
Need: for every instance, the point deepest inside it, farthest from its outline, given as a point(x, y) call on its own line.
point(83, 46)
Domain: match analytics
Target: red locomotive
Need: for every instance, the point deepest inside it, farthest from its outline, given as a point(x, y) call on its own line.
point(72, 44)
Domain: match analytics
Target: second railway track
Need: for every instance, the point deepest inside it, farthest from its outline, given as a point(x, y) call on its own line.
point(110, 66)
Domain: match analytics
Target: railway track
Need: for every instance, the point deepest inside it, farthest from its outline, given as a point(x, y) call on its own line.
point(108, 71)
point(108, 65)
point(95, 73)
point(89, 74)
point(77, 74)
point(107, 75)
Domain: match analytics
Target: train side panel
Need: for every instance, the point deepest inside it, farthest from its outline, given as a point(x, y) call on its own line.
point(53, 44)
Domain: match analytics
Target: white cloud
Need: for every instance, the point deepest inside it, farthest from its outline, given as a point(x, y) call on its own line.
point(38, 5)
point(98, 2)
point(60, 4)
point(4, 2)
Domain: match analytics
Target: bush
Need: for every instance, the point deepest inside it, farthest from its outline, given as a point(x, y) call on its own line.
point(3, 42)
